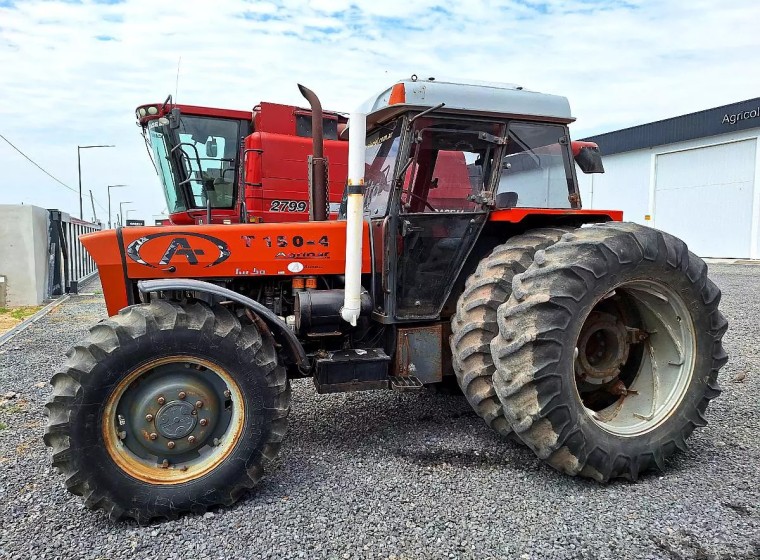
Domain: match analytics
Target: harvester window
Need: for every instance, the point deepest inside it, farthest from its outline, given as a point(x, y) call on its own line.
point(210, 147)
point(535, 171)
point(174, 203)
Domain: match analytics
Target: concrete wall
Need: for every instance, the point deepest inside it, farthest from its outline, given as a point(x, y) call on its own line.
point(24, 253)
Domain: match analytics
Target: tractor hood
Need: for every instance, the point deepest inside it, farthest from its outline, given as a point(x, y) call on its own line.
point(224, 251)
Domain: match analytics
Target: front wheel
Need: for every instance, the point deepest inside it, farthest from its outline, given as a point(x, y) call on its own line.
point(609, 349)
point(167, 408)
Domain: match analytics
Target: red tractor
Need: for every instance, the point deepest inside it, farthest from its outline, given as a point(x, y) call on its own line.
point(595, 342)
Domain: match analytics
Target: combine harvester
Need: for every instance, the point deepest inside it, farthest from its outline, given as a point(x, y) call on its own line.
point(224, 166)
point(595, 342)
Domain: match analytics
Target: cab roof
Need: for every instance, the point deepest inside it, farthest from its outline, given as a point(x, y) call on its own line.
point(472, 98)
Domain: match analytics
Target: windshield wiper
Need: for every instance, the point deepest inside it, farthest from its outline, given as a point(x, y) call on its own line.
point(426, 112)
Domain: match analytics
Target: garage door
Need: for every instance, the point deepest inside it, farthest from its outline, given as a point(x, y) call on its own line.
point(704, 196)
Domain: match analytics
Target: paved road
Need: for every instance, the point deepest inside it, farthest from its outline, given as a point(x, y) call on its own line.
point(387, 475)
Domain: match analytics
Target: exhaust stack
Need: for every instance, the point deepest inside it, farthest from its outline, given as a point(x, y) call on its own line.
point(357, 132)
point(317, 161)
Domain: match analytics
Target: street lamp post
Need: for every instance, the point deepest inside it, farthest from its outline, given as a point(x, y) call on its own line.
point(121, 211)
point(128, 211)
point(109, 202)
point(79, 170)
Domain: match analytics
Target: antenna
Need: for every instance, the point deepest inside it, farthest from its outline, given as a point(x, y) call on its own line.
point(176, 83)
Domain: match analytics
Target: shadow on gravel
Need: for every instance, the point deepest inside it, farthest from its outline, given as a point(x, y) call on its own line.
point(437, 457)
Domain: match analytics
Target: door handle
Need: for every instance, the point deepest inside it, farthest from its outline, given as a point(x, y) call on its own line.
point(407, 228)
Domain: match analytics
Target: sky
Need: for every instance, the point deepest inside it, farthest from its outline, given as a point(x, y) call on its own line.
point(72, 72)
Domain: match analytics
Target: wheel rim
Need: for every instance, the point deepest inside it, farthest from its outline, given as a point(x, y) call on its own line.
point(173, 419)
point(635, 357)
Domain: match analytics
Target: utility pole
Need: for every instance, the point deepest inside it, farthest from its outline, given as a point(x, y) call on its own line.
point(79, 170)
point(121, 211)
point(109, 202)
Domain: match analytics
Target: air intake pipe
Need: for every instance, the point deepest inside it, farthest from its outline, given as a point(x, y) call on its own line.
point(357, 132)
point(317, 161)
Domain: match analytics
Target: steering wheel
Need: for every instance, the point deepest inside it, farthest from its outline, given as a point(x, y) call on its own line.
point(418, 197)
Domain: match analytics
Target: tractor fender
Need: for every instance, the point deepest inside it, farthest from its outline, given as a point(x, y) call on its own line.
point(280, 330)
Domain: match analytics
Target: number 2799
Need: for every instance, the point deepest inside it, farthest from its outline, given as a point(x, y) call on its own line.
point(288, 206)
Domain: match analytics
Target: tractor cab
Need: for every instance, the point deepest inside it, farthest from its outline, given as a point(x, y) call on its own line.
point(436, 170)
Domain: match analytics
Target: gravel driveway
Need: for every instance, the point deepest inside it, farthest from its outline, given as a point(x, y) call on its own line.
point(386, 475)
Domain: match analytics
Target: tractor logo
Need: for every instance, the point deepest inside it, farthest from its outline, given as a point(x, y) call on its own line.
point(185, 248)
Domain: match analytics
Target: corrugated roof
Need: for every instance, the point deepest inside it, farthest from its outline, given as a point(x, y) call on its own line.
point(742, 115)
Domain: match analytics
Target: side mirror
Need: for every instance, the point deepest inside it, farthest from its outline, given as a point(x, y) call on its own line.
point(211, 147)
point(174, 118)
point(588, 156)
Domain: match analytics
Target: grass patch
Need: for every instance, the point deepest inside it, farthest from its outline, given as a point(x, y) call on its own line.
point(15, 408)
point(3, 426)
point(21, 313)
point(12, 316)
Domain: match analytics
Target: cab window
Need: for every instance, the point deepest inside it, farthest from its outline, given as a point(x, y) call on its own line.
point(451, 164)
point(535, 169)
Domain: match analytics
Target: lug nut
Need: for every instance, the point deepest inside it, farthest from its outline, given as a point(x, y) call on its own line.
point(170, 445)
point(122, 435)
point(227, 393)
point(182, 395)
point(191, 439)
point(203, 422)
point(149, 417)
point(198, 404)
point(154, 436)
point(161, 400)
point(165, 464)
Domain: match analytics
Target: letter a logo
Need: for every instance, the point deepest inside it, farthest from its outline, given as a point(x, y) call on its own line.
point(180, 246)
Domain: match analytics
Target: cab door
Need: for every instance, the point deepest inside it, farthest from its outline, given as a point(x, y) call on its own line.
point(440, 213)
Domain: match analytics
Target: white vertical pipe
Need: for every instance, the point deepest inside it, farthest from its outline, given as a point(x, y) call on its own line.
point(357, 133)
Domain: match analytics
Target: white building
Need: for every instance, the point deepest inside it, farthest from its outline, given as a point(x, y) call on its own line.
point(696, 176)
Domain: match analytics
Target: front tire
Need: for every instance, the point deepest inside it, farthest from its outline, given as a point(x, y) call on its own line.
point(609, 349)
point(167, 408)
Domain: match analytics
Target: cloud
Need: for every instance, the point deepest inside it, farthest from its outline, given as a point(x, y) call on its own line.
point(73, 72)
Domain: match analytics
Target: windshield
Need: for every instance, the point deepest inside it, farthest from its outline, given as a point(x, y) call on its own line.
point(535, 171)
point(159, 144)
point(205, 160)
point(380, 164)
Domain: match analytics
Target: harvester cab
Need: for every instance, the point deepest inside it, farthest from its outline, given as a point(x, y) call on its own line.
point(462, 254)
point(223, 166)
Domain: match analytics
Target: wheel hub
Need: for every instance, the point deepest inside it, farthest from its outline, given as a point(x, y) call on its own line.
point(602, 346)
point(176, 419)
point(174, 414)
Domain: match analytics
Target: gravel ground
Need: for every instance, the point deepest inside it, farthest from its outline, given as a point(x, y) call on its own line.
point(386, 475)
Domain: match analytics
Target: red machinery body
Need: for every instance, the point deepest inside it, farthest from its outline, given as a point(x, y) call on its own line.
point(269, 175)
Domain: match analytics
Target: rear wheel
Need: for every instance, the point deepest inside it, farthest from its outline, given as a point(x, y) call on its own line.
point(474, 324)
point(167, 408)
point(609, 349)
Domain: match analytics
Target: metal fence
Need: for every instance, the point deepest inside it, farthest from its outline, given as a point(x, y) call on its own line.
point(70, 263)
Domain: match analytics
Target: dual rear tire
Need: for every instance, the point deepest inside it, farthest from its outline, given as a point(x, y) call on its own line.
point(606, 353)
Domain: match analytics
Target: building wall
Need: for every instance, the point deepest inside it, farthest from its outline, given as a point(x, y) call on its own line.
point(727, 204)
point(24, 253)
